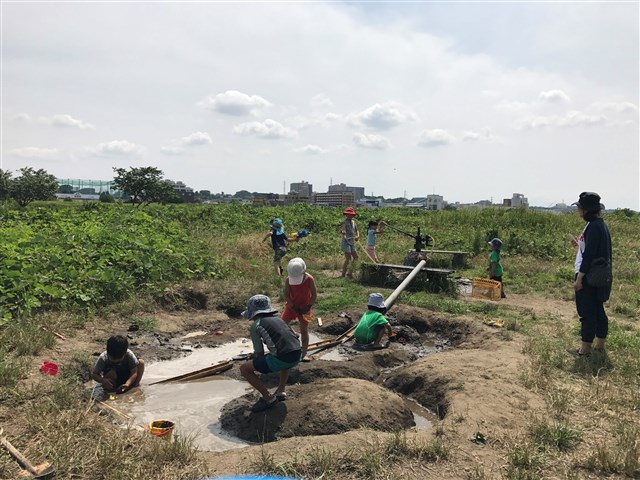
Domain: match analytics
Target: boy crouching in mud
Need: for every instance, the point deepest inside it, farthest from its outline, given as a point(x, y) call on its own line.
point(284, 350)
point(118, 369)
point(373, 325)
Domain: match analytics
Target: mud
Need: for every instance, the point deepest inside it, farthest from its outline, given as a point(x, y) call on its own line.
point(344, 388)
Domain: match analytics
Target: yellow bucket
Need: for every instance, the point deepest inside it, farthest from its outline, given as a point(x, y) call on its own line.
point(161, 428)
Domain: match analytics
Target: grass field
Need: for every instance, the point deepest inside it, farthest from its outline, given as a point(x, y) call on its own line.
point(64, 264)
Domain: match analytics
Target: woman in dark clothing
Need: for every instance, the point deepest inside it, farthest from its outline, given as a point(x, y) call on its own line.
point(594, 242)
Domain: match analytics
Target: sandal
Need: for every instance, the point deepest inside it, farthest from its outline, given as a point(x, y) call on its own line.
point(262, 404)
point(281, 396)
point(575, 352)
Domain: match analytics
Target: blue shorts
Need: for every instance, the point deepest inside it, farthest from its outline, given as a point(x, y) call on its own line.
point(270, 363)
point(346, 247)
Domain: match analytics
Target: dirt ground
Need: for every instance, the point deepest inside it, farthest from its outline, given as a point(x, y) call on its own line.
point(465, 372)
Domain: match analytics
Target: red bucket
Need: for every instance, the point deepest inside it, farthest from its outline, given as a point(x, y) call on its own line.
point(49, 368)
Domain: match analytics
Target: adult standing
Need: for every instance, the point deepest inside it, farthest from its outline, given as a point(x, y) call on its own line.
point(593, 243)
point(350, 236)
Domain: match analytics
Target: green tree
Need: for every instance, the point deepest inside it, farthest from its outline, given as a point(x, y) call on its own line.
point(143, 184)
point(243, 194)
point(5, 183)
point(106, 197)
point(33, 185)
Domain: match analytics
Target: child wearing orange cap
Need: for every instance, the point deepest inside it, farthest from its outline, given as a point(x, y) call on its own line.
point(350, 236)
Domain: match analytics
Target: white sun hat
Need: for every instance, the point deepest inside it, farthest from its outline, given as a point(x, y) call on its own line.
point(296, 268)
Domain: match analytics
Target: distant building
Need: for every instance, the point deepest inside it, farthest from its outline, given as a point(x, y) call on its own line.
point(292, 198)
point(358, 192)
point(181, 189)
point(302, 188)
point(334, 199)
point(435, 202)
point(517, 200)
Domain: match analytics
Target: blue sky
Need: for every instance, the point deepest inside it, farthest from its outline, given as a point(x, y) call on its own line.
point(468, 100)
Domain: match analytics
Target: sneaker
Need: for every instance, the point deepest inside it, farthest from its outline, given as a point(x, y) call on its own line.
point(281, 396)
point(262, 404)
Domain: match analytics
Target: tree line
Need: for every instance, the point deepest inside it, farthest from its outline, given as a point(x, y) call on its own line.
point(139, 185)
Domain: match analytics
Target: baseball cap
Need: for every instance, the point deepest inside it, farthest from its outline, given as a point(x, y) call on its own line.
point(296, 268)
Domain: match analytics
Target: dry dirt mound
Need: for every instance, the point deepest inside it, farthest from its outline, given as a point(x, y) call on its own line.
point(325, 407)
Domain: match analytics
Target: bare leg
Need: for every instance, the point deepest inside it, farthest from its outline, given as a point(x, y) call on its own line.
point(347, 257)
point(304, 337)
point(354, 257)
point(599, 344)
point(277, 266)
point(247, 371)
point(284, 376)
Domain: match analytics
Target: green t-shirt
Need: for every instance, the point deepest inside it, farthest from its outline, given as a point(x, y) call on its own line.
point(495, 258)
point(366, 331)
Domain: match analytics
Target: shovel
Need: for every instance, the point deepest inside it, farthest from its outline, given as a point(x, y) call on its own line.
point(30, 471)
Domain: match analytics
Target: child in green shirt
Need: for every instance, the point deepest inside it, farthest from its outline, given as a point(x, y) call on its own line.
point(372, 325)
point(495, 267)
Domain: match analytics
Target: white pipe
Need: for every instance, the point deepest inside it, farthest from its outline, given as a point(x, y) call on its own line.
point(392, 298)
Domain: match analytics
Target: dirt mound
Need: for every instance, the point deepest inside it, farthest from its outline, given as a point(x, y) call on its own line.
point(325, 407)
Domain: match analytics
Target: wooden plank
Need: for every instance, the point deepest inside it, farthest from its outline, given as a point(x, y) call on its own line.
point(448, 252)
point(203, 372)
point(424, 269)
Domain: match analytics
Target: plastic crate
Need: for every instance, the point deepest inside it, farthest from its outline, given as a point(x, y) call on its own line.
point(485, 288)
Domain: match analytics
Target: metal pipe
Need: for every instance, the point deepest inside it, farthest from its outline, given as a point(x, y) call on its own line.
point(392, 298)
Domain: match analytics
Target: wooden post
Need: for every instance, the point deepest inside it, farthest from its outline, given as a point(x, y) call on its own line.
point(392, 298)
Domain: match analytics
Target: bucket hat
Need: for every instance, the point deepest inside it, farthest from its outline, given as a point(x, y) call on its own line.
point(376, 300)
point(349, 211)
point(256, 305)
point(589, 202)
point(277, 222)
point(496, 243)
point(296, 268)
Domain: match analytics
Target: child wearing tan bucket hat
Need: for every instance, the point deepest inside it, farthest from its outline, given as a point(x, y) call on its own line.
point(350, 236)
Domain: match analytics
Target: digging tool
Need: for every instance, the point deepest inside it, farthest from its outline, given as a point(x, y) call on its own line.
point(203, 372)
point(30, 471)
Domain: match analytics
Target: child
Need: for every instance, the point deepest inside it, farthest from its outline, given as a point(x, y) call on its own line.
point(284, 350)
point(372, 230)
point(495, 267)
point(372, 326)
point(350, 236)
point(300, 294)
point(278, 243)
point(118, 369)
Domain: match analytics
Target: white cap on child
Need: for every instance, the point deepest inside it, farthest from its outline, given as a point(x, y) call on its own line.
point(296, 268)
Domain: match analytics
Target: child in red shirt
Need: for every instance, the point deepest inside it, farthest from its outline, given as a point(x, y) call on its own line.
point(300, 294)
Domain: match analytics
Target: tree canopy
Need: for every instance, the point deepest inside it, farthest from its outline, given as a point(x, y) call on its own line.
point(29, 186)
point(143, 184)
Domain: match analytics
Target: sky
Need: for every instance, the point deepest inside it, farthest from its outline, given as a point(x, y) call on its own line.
point(469, 100)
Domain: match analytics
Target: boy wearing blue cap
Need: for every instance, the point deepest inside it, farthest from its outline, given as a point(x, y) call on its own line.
point(278, 243)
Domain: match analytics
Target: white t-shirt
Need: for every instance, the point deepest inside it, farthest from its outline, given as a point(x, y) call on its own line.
point(578, 262)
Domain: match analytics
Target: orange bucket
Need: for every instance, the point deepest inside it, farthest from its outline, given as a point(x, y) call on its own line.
point(161, 428)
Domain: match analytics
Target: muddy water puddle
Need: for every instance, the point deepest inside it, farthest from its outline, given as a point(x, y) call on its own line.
point(193, 406)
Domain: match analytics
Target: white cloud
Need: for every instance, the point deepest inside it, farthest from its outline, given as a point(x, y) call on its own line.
point(572, 118)
point(22, 117)
point(619, 107)
point(171, 150)
point(197, 138)
point(435, 138)
point(116, 148)
point(554, 96)
point(34, 153)
point(65, 120)
point(311, 150)
point(484, 136)
point(382, 117)
point(233, 102)
point(511, 107)
point(321, 101)
point(377, 142)
point(267, 129)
